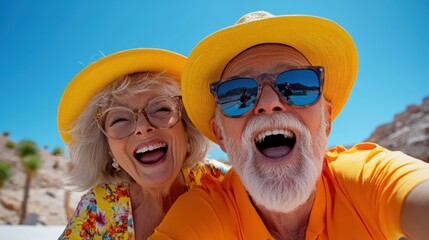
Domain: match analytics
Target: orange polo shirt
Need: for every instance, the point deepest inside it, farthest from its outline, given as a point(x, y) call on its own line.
point(359, 196)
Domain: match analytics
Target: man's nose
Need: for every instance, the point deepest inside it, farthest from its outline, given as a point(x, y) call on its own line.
point(269, 101)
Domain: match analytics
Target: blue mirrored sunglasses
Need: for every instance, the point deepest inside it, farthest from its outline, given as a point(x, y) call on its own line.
point(300, 87)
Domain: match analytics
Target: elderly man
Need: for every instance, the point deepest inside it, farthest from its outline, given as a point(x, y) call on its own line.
point(284, 185)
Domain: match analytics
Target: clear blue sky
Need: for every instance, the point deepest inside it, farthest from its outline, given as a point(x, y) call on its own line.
point(45, 43)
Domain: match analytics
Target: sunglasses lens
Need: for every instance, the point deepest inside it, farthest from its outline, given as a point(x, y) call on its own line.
point(237, 96)
point(300, 87)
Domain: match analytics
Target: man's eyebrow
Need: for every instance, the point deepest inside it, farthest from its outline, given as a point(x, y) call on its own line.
point(248, 72)
point(235, 76)
point(283, 66)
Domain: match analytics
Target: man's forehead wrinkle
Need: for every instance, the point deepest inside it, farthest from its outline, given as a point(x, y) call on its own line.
point(243, 73)
point(282, 65)
point(276, 63)
point(250, 71)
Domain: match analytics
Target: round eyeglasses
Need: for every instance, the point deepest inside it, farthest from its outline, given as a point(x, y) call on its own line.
point(121, 122)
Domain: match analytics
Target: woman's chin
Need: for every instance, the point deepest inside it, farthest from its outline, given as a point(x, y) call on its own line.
point(159, 176)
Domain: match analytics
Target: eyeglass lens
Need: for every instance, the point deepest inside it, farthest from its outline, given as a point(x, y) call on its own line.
point(299, 87)
point(120, 122)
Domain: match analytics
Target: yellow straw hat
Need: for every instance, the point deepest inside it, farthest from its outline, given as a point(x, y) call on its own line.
point(322, 41)
point(96, 76)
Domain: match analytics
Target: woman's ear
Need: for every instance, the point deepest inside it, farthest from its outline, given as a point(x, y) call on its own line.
point(217, 132)
point(110, 153)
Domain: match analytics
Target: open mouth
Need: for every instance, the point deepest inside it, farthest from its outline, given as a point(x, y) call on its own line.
point(275, 143)
point(151, 154)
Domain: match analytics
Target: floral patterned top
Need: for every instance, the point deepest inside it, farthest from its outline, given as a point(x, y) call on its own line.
point(105, 212)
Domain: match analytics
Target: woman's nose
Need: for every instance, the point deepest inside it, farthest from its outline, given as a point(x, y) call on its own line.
point(143, 125)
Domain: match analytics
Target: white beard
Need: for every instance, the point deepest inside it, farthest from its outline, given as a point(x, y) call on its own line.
point(280, 188)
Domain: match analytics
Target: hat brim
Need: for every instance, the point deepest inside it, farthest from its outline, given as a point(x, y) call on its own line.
point(96, 76)
point(323, 43)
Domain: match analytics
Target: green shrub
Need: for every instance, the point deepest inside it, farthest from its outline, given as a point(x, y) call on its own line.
point(5, 172)
point(10, 145)
point(6, 133)
point(57, 151)
point(32, 162)
point(25, 148)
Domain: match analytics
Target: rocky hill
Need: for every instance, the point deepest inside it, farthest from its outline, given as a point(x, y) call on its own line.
point(409, 132)
point(46, 200)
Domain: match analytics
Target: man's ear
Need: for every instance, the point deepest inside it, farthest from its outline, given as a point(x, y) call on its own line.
point(217, 132)
point(328, 117)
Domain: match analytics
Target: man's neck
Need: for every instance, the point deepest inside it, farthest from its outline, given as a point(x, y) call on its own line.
point(285, 226)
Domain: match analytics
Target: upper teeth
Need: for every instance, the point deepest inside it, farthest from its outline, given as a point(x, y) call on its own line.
point(151, 148)
point(264, 134)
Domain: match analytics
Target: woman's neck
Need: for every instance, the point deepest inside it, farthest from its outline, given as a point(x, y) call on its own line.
point(149, 206)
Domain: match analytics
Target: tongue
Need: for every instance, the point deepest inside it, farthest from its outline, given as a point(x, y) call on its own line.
point(152, 156)
point(276, 152)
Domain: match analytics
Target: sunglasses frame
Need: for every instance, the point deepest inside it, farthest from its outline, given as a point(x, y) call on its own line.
point(99, 116)
point(319, 70)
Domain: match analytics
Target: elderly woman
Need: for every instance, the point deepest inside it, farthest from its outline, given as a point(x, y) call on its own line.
point(131, 143)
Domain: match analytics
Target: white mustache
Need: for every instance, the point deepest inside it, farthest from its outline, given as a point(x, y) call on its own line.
point(279, 120)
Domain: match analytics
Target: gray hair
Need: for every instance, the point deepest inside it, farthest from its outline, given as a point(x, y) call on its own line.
point(89, 149)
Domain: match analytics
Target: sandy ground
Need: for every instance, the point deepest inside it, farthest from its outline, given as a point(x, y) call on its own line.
point(19, 232)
